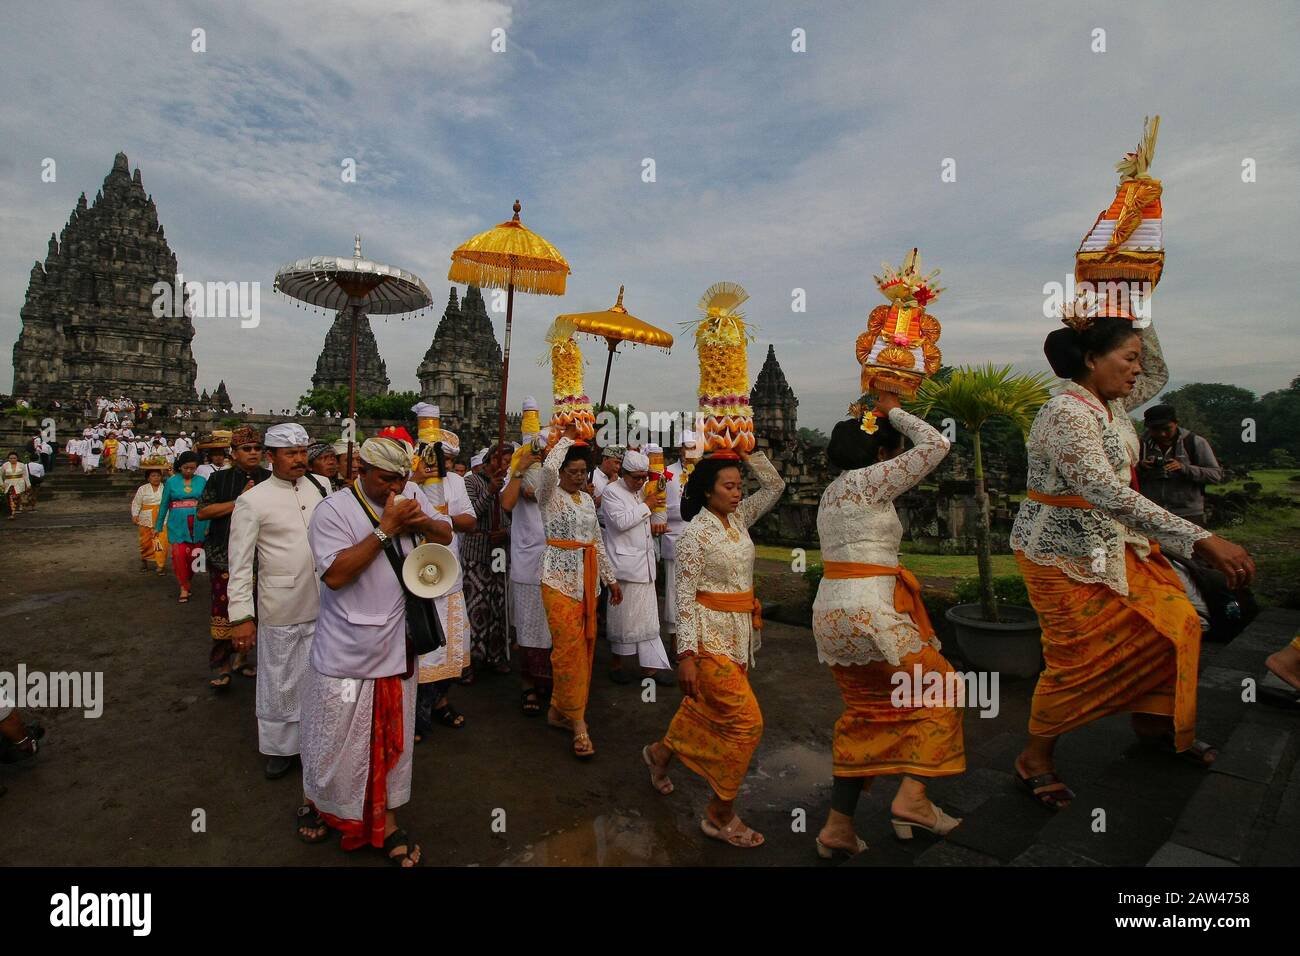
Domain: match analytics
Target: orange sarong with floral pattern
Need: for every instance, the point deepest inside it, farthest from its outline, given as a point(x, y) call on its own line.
point(1106, 653)
point(876, 736)
point(573, 647)
point(717, 733)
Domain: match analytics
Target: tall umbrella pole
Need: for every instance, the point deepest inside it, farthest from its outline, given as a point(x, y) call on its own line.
point(505, 365)
point(352, 389)
point(609, 363)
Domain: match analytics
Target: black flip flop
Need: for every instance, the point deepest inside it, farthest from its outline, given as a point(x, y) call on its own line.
point(401, 838)
point(1036, 787)
point(309, 817)
point(448, 717)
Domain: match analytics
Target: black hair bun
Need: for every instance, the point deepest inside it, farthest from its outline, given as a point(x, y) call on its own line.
point(1064, 350)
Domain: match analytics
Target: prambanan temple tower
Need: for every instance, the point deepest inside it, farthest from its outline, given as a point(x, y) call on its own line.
point(461, 372)
point(88, 323)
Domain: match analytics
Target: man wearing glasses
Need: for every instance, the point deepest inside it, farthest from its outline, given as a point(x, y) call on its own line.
point(216, 504)
point(632, 626)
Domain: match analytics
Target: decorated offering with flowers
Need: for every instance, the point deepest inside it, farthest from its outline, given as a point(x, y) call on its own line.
point(900, 346)
point(658, 475)
point(1126, 243)
point(429, 431)
point(572, 406)
point(722, 338)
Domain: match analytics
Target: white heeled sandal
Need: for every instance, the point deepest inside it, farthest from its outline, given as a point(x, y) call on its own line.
point(942, 826)
point(831, 852)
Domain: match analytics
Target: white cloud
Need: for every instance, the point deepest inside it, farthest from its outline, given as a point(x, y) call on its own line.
point(774, 169)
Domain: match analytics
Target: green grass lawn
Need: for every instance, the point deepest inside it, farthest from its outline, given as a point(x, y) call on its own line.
point(1275, 480)
point(927, 565)
point(1271, 534)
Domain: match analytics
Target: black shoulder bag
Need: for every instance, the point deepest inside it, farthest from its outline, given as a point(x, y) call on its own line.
point(421, 615)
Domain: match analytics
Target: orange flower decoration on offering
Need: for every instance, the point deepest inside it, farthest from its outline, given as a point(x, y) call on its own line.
point(900, 346)
point(722, 338)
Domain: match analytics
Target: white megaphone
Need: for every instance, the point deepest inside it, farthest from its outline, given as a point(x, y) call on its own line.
point(430, 570)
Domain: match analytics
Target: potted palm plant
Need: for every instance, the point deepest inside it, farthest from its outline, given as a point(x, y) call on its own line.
point(991, 635)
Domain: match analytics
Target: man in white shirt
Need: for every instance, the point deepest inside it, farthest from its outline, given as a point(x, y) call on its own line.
point(610, 460)
point(527, 546)
point(182, 444)
point(35, 475)
point(269, 526)
point(216, 462)
point(632, 626)
point(359, 683)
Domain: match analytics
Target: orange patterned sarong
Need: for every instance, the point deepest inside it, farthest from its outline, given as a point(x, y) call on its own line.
point(573, 646)
point(717, 733)
point(1107, 653)
point(876, 736)
point(153, 546)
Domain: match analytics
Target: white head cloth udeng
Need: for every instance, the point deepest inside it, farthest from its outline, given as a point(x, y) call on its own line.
point(634, 461)
point(286, 435)
point(476, 460)
point(387, 455)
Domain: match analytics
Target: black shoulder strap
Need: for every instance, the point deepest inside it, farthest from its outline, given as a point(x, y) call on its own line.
point(312, 478)
point(394, 554)
point(1189, 448)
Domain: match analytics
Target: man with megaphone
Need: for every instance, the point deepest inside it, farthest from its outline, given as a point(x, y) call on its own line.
point(358, 693)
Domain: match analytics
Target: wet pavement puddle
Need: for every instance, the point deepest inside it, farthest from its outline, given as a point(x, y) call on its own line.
point(614, 839)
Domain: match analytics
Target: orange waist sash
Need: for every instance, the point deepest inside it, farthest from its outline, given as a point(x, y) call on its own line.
point(907, 589)
point(738, 602)
point(1060, 501)
point(590, 573)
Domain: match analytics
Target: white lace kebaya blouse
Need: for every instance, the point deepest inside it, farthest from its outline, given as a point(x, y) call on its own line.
point(565, 518)
point(1078, 446)
point(712, 556)
point(854, 620)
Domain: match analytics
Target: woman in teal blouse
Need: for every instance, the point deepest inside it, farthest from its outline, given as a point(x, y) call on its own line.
point(178, 511)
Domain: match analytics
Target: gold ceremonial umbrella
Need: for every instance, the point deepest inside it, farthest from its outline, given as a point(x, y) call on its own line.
point(616, 325)
point(505, 257)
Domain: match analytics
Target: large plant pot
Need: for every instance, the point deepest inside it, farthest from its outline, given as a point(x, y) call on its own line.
point(1010, 646)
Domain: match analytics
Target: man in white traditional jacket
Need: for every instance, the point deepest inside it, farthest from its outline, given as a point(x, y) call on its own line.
point(527, 546)
point(269, 524)
point(440, 668)
point(605, 472)
point(668, 541)
point(91, 450)
point(632, 625)
point(182, 444)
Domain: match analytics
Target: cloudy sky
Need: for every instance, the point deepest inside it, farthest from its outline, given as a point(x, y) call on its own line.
point(773, 168)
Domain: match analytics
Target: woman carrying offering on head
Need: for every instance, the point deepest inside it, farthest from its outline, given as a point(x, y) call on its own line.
point(871, 627)
point(1119, 634)
point(718, 724)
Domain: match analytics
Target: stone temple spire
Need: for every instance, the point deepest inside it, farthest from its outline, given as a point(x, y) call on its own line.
point(461, 372)
point(774, 402)
point(88, 327)
point(334, 367)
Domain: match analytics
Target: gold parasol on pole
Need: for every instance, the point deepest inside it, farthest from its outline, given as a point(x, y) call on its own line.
point(616, 325)
point(509, 256)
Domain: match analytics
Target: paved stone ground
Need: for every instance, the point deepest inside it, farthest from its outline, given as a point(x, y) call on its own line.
point(1134, 808)
point(122, 789)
